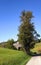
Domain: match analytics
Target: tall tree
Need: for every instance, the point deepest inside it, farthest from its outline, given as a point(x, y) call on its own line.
point(27, 32)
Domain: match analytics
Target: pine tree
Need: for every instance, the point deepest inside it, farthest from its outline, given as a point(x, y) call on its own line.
point(27, 31)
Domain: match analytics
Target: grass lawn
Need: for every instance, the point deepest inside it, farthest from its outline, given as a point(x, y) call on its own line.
point(36, 48)
point(13, 57)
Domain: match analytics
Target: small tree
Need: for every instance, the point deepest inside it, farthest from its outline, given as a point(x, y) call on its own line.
point(27, 32)
point(9, 44)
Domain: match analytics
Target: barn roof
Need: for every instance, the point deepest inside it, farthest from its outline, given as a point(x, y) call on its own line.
point(17, 45)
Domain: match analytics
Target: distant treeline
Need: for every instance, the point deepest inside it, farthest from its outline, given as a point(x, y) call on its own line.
point(8, 44)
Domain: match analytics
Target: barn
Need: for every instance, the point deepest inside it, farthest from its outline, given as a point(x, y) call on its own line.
point(17, 45)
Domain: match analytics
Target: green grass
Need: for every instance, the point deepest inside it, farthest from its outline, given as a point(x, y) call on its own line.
point(12, 57)
point(36, 47)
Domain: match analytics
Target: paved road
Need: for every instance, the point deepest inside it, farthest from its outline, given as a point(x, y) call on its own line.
point(36, 60)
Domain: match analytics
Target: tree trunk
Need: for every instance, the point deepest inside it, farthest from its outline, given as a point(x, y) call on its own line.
point(27, 50)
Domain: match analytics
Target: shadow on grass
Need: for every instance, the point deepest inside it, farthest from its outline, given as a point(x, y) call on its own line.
point(35, 54)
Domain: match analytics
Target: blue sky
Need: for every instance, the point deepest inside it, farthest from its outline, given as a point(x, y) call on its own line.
point(10, 11)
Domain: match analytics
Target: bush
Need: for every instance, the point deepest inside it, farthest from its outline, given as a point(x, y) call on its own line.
point(9, 44)
point(39, 50)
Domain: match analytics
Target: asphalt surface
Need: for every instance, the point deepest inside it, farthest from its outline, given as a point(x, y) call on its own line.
point(36, 60)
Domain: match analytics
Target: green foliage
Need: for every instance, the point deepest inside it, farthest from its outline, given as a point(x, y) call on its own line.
point(9, 44)
point(27, 32)
point(12, 57)
point(37, 48)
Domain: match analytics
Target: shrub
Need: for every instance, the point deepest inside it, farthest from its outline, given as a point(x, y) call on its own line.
point(39, 50)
